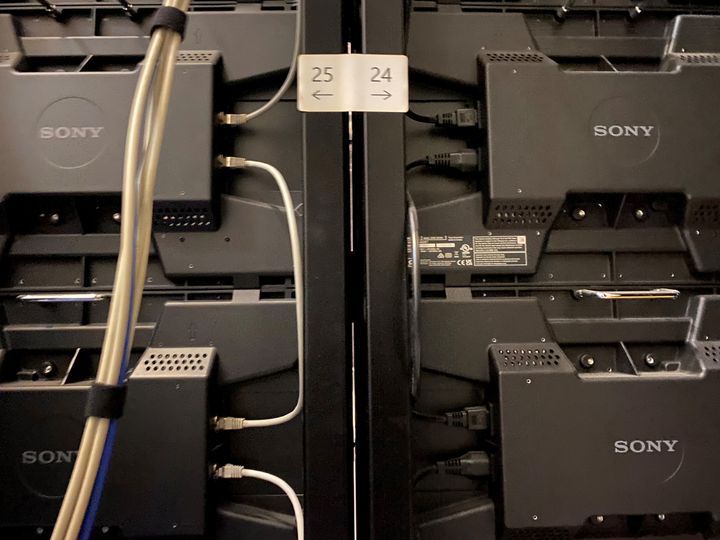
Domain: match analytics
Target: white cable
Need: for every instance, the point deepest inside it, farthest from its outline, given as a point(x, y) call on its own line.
point(243, 118)
point(226, 423)
point(237, 471)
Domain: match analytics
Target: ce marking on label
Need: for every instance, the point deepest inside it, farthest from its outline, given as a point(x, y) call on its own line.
point(466, 262)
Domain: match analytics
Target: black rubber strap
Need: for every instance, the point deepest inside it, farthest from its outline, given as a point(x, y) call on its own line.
point(169, 17)
point(105, 401)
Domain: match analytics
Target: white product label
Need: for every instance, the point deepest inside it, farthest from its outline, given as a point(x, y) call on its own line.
point(352, 83)
point(471, 251)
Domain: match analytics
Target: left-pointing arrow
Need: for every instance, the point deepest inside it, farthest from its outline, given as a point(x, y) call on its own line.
point(317, 94)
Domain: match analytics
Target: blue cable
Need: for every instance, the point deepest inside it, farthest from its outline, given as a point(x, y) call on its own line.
point(99, 485)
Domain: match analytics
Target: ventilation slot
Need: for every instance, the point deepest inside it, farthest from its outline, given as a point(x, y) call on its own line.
point(183, 218)
point(699, 58)
point(175, 362)
point(712, 353)
point(517, 214)
point(194, 57)
point(515, 57)
point(4, 58)
point(529, 358)
point(706, 214)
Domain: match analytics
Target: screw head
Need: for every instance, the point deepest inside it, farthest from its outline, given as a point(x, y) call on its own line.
point(528, 381)
point(54, 218)
point(534, 518)
point(650, 360)
point(587, 361)
point(598, 519)
point(116, 217)
point(39, 531)
point(578, 214)
point(48, 368)
point(640, 214)
point(661, 517)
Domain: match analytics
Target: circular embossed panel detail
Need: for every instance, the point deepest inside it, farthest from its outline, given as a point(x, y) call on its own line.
point(71, 132)
point(625, 131)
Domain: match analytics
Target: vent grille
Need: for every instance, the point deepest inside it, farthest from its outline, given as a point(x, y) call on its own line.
point(4, 58)
point(700, 58)
point(189, 362)
point(711, 353)
point(195, 56)
point(183, 218)
point(706, 214)
point(528, 357)
point(518, 214)
point(515, 57)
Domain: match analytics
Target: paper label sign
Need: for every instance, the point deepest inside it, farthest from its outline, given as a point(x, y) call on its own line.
point(352, 83)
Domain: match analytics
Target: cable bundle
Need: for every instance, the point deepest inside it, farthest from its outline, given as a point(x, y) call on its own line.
point(148, 112)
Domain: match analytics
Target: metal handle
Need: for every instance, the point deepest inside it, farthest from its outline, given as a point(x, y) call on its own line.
point(59, 298)
point(652, 294)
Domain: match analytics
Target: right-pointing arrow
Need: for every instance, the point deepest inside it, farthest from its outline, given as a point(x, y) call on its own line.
point(317, 94)
point(385, 95)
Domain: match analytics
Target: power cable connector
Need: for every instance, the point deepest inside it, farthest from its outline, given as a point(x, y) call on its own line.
point(461, 118)
point(475, 418)
point(472, 464)
point(465, 117)
point(466, 160)
point(471, 418)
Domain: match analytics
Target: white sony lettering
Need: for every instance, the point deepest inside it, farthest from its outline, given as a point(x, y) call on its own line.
point(62, 132)
point(631, 131)
point(29, 457)
point(46, 457)
point(600, 131)
point(78, 132)
point(621, 447)
point(47, 132)
point(95, 131)
point(65, 456)
point(654, 446)
point(647, 130)
point(637, 447)
point(615, 131)
point(671, 445)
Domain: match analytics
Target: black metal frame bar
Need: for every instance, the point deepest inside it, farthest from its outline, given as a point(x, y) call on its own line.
point(383, 378)
point(328, 434)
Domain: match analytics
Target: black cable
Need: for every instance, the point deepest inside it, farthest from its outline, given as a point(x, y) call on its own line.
point(52, 10)
point(412, 115)
point(437, 418)
point(129, 9)
point(425, 471)
point(416, 163)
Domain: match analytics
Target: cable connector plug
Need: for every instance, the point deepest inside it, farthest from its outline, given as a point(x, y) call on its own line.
point(228, 472)
point(466, 160)
point(473, 464)
point(227, 423)
point(230, 162)
point(461, 118)
point(231, 119)
point(472, 418)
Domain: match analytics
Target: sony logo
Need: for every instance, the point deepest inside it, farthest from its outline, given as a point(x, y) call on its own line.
point(48, 457)
point(63, 132)
point(616, 130)
point(645, 447)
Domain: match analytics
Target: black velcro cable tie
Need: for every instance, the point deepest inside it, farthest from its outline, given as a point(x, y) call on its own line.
point(169, 17)
point(105, 400)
